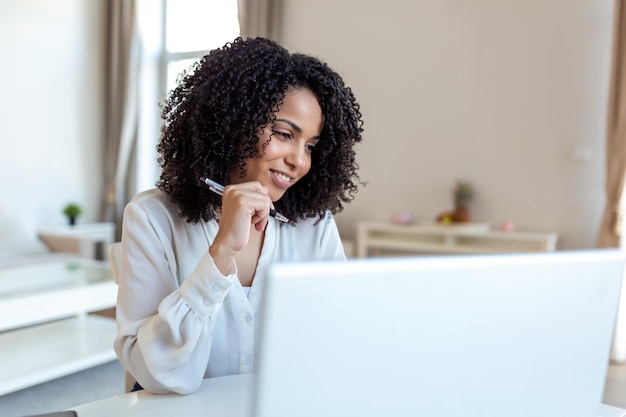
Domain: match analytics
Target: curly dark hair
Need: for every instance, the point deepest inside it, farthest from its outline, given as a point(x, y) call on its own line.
point(213, 118)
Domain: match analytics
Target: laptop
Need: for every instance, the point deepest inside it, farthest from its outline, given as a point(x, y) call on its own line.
point(516, 335)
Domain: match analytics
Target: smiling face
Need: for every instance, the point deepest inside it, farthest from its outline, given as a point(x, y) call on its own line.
point(285, 147)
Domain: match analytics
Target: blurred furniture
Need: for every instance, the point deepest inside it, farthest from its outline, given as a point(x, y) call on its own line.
point(46, 330)
point(114, 252)
point(47, 292)
point(89, 240)
point(19, 242)
point(465, 238)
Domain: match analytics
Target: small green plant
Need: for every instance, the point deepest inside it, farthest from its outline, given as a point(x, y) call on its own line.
point(463, 194)
point(72, 211)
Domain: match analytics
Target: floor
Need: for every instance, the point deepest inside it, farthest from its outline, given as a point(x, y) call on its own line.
point(108, 380)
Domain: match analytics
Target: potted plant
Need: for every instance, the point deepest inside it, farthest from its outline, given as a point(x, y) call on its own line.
point(72, 211)
point(463, 196)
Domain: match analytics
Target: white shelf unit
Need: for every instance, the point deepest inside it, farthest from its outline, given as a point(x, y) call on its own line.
point(45, 291)
point(41, 353)
point(46, 330)
point(466, 238)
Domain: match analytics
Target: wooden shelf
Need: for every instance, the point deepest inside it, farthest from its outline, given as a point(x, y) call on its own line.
point(447, 239)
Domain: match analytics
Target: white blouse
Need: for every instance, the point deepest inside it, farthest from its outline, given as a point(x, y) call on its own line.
point(180, 320)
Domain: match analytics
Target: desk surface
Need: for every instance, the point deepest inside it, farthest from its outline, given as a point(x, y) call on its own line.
point(228, 396)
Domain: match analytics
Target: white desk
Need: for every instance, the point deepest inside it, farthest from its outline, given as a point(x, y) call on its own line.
point(229, 396)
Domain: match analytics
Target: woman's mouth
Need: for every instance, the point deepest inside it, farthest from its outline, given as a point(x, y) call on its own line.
point(282, 179)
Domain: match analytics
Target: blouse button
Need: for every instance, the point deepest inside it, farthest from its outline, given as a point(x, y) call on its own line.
point(248, 318)
point(215, 288)
point(206, 302)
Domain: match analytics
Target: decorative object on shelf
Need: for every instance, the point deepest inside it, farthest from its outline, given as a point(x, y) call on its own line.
point(72, 211)
point(507, 226)
point(402, 217)
point(463, 195)
point(445, 217)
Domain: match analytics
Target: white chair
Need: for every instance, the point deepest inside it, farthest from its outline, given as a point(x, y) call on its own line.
point(115, 250)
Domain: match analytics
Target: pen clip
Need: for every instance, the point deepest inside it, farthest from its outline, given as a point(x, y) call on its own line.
point(216, 190)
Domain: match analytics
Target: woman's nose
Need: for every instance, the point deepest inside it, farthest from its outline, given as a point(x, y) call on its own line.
point(296, 157)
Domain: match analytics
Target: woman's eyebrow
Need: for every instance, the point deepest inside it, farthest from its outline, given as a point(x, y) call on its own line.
point(292, 124)
point(296, 127)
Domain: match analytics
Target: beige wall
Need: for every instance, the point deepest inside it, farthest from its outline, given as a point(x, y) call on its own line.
point(50, 83)
point(509, 95)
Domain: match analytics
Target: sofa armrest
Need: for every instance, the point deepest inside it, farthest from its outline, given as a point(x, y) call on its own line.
point(19, 238)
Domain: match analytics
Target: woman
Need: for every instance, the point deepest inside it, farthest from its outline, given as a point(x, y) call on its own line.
point(279, 130)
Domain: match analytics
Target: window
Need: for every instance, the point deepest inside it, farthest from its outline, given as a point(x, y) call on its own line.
point(174, 34)
point(193, 27)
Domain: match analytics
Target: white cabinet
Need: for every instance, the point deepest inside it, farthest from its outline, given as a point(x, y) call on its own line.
point(37, 354)
point(50, 290)
point(46, 330)
point(384, 238)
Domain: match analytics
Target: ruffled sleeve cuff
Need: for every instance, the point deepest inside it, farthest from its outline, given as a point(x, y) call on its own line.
point(205, 289)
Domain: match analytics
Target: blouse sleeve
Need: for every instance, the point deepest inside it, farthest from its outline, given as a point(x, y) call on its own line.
point(164, 329)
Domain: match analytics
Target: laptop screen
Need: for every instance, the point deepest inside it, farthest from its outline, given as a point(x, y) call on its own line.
point(482, 335)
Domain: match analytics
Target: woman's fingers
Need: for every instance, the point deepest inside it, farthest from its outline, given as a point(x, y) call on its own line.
point(252, 196)
point(242, 205)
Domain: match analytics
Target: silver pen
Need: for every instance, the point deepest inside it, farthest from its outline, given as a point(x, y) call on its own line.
point(218, 188)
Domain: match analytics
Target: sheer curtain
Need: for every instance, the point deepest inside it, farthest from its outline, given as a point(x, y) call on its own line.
point(121, 69)
point(611, 227)
point(259, 18)
point(122, 61)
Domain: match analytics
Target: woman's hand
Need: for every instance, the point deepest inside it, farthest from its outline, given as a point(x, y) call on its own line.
point(243, 205)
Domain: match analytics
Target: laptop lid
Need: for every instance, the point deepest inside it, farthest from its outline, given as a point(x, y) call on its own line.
point(482, 335)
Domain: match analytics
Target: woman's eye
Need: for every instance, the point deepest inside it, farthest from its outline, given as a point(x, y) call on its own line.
point(310, 147)
point(284, 135)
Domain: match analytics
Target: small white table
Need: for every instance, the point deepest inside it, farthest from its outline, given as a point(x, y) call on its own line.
point(229, 396)
point(82, 239)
